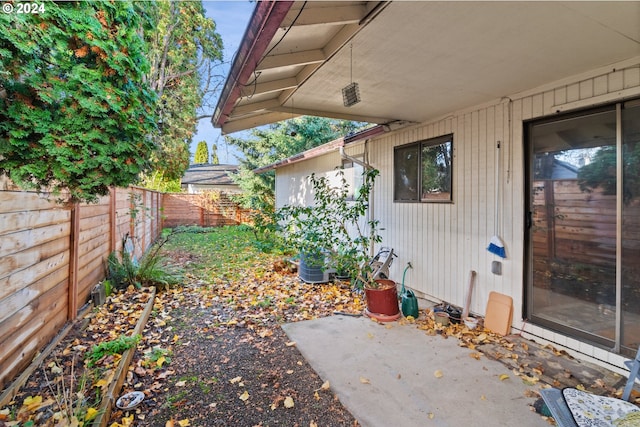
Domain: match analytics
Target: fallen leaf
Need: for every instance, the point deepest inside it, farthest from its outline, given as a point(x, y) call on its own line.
point(325, 386)
point(431, 415)
point(438, 374)
point(181, 383)
point(290, 343)
point(169, 423)
point(160, 361)
point(364, 380)
point(235, 380)
point(313, 424)
point(288, 402)
point(475, 355)
point(580, 387)
point(32, 403)
point(244, 396)
point(91, 414)
point(316, 395)
point(503, 377)
point(183, 423)
point(55, 369)
point(265, 333)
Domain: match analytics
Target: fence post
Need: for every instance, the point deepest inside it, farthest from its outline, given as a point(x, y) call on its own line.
point(145, 221)
point(112, 219)
point(74, 236)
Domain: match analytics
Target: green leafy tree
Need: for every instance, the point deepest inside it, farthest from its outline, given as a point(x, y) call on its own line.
point(184, 49)
point(157, 181)
point(75, 112)
point(601, 172)
point(202, 153)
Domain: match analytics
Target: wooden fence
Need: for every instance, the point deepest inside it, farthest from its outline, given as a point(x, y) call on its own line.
point(208, 209)
point(574, 237)
point(52, 256)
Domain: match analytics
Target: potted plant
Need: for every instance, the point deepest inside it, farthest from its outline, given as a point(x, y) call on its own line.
point(337, 225)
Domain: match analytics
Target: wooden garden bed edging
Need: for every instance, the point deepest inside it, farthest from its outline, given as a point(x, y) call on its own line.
point(104, 413)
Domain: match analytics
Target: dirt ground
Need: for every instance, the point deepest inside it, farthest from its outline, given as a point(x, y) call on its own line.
point(204, 359)
point(226, 373)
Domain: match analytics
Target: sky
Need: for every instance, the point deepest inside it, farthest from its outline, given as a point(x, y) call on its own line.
point(231, 18)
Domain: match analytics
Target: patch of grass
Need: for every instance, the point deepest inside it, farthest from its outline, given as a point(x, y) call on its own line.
point(175, 398)
point(265, 303)
point(224, 253)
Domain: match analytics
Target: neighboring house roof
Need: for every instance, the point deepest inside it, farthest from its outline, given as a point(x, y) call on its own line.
point(414, 61)
point(208, 174)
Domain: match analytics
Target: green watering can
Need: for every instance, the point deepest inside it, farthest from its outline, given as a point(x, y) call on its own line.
point(409, 304)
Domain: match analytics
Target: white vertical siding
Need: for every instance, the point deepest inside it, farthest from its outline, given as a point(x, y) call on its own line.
point(444, 241)
point(292, 184)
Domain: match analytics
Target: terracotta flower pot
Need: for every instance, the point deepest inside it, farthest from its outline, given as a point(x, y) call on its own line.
point(382, 302)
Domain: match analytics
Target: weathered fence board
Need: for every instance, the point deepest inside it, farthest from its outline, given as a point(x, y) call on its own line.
point(20, 279)
point(18, 349)
point(21, 240)
point(20, 201)
point(18, 261)
point(52, 256)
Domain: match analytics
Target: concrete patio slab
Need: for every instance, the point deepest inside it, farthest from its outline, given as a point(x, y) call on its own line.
point(385, 375)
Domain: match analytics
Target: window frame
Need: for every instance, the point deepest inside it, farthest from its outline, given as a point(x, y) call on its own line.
point(400, 196)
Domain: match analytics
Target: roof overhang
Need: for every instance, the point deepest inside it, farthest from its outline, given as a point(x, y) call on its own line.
point(413, 61)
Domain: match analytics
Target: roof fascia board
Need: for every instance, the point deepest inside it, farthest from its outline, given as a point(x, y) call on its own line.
point(264, 23)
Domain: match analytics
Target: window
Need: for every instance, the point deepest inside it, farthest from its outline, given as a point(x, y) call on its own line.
point(422, 171)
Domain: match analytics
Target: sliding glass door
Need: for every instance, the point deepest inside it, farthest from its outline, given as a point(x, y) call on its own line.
point(583, 228)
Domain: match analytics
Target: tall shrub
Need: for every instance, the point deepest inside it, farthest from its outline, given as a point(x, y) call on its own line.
point(75, 112)
point(202, 153)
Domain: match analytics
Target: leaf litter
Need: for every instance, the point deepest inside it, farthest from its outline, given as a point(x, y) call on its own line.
point(213, 353)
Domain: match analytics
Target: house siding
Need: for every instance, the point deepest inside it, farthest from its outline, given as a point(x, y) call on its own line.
point(444, 241)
